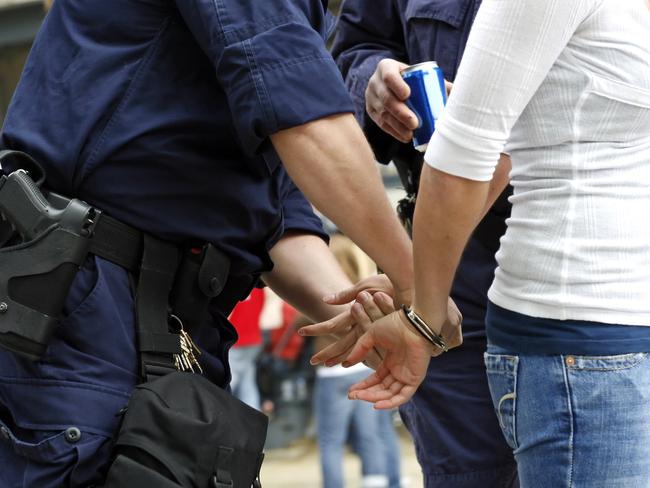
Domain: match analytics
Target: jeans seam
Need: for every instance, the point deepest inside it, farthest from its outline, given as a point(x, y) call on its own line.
point(515, 440)
point(639, 359)
point(572, 421)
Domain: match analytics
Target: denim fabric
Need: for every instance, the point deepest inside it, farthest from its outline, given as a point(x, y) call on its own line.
point(243, 371)
point(390, 442)
point(335, 415)
point(574, 421)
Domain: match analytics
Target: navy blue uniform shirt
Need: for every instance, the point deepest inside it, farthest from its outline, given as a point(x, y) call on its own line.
point(158, 112)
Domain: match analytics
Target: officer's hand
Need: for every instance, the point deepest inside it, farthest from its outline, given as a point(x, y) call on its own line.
point(385, 96)
point(350, 327)
point(372, 284)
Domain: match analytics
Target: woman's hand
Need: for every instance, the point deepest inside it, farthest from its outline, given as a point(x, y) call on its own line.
point(403, 368)
point(406, 356)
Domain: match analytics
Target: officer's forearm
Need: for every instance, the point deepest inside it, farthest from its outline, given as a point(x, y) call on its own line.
point(331, 162)
point(304, 272)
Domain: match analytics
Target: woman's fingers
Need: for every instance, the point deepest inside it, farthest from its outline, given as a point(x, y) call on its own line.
point(384, 397)
point(405, 394)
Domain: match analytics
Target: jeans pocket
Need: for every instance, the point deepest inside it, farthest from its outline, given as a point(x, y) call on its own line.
point(502, 379)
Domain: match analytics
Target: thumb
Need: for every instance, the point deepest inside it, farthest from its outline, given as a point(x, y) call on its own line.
point(345, 296)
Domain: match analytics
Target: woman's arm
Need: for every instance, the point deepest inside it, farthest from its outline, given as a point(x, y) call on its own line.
point(513, 45)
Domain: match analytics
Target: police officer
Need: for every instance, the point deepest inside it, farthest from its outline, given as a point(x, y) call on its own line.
point(183, 119)
point(451, 417)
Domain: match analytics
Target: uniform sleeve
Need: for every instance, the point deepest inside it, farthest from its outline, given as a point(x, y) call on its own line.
point(511, 48)
point(271, 60)
point(298, 212)
point(368, 31)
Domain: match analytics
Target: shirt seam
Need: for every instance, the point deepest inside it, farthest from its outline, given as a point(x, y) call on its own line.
point(571, 214)
point(278, 65)
point(260, 87)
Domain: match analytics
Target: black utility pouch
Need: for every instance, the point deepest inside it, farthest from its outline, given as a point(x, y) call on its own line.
point(183, 431)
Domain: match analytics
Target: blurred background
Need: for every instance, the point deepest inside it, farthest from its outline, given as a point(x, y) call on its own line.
point(283, 383)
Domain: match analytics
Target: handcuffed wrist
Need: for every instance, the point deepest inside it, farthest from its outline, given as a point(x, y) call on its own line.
point(425, 329)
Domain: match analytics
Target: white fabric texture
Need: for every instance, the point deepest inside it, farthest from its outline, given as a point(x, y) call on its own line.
point(567, 84)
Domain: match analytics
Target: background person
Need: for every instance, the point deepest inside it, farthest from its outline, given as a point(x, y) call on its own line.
point(243, 356)
point(375, 39)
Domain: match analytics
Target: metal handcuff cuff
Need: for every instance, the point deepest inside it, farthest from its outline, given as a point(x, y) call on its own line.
point(425, 329)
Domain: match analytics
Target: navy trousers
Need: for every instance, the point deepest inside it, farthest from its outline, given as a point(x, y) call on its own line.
point(58, 415)
point(457, 437)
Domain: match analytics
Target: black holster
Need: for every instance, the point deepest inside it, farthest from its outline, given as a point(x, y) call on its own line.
point(45, 243)
point(45, 238)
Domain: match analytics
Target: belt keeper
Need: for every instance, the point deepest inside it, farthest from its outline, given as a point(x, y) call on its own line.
point(424, 329)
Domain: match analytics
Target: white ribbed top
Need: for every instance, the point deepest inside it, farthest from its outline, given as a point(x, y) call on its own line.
point(567, 84)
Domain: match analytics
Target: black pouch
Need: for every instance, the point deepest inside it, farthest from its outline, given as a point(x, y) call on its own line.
point(181, 430)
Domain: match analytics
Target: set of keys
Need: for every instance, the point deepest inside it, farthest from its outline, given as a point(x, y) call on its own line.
point(186, 360)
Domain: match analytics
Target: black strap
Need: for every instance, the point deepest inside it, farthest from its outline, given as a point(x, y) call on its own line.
point(156, 344)
point(154, 262)
point(118, 243)
point(223, 476)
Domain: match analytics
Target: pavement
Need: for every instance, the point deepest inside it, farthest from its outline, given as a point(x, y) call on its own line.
point(297, 465)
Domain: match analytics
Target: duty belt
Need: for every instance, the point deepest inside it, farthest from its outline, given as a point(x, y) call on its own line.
point(46, 237)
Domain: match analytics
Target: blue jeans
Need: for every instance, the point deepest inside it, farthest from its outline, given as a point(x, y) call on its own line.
point(390, 441)
point(391, 447)
point(574, 421)
point(243, 370)
point(335, 415)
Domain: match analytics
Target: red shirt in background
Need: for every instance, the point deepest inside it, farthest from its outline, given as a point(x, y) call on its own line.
point(246, 319)
point(292, 344)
